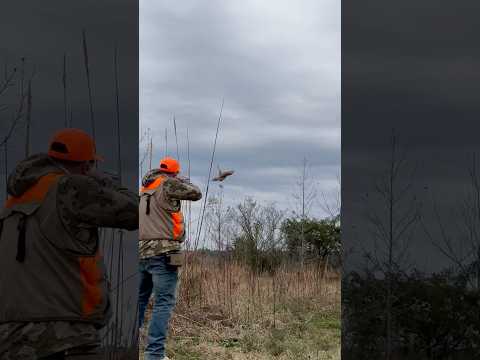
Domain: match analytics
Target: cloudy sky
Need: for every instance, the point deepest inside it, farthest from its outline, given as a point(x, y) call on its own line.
point(276, 64)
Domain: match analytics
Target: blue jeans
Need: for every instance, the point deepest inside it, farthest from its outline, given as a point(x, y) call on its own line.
point(157, 276)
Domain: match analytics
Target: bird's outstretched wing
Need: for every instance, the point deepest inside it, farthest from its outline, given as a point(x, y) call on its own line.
point(222, 175)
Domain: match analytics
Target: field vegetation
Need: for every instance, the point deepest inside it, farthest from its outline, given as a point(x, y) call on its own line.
point(267, 287)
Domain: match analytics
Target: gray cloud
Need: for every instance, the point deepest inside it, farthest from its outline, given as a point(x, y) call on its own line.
point(276, 64)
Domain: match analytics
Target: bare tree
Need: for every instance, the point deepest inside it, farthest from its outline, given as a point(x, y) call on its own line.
point(460, 241)
point(259, 229)
point(304, 196)
point(330, 202)
point(28, 119)
point(219, 229)
point(14, 110)
point(145, 149)
point(393, 223)
point(220, 220)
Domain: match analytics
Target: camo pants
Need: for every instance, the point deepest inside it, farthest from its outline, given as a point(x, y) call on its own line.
point(79, 353)
point(48, 340)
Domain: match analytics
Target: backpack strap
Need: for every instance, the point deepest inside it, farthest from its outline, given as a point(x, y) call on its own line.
point(147, 194)
point(147, 211)
point(149, 188)
point(25, 205)
point(4, 213)
point(21, 238)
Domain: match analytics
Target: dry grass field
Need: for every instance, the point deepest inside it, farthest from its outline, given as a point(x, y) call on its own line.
point(224, 311)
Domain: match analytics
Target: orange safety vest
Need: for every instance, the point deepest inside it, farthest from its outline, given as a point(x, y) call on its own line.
point(89, 267)
point(176, 228)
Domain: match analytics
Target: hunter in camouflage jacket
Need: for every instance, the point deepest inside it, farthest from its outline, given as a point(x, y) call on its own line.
point(83, 203)
point(168, 197)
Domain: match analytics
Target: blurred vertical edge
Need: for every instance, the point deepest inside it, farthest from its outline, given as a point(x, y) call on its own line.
point(410, 180)
point(75, 65)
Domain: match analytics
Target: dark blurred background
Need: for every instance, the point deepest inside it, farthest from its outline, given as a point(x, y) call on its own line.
point(410, 194)
point(44, 42)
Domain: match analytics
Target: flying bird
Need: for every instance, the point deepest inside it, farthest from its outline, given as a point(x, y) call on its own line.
point(222, 175)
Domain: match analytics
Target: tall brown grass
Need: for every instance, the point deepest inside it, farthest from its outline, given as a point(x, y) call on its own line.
point(221, 289)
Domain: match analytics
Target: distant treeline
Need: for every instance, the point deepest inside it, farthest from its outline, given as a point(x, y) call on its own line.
point(262, 237)
point(433, 317)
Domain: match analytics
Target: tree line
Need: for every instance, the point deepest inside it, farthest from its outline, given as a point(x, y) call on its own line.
point(263, 237)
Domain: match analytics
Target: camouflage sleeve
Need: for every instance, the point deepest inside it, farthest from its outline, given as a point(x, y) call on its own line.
point(96, 201)
point(181, 189)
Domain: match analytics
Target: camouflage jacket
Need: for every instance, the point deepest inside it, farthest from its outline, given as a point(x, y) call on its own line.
point(84, 204)
point(175, 189)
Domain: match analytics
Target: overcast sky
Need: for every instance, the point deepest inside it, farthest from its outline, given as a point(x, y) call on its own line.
point(277, 66)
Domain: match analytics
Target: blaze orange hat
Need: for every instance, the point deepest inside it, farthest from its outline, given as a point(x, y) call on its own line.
point(73, 145)
point(169, 165)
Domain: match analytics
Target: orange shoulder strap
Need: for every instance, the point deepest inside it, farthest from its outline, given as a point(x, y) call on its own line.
point(37, 192)
point(155, 184)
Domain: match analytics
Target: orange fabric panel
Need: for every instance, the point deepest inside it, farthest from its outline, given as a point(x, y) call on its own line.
point(155, 184)
point(36, 193)
point(90, 276)
point(90, 273)
point(177, 218)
